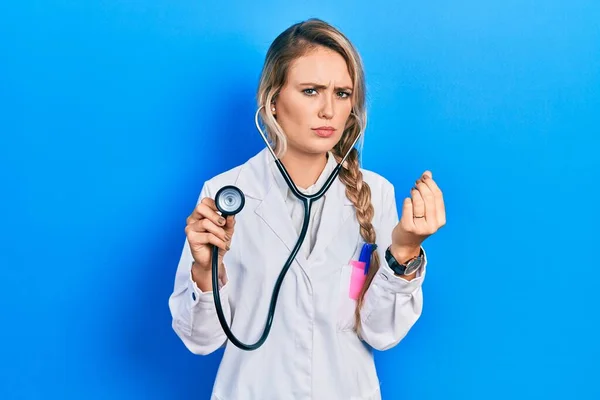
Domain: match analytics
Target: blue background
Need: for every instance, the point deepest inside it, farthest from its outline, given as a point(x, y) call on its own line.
point(114, 113)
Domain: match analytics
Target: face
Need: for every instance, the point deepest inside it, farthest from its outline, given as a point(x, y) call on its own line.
point(317, 94)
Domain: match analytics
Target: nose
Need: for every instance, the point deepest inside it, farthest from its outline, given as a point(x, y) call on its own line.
point(327, 110)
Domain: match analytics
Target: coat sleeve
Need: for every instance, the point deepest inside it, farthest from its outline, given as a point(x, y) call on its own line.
point(392, 304)
point(193, 311)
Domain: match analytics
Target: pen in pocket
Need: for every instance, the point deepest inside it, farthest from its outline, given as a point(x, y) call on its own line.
point(365, 255)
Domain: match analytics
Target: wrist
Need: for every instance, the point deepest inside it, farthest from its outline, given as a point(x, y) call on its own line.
point(202, 277)
point(403, 254)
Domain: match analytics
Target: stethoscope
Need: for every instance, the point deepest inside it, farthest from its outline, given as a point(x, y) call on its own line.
point(230, 200)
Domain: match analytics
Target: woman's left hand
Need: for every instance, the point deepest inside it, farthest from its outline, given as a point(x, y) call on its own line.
point(422, 215)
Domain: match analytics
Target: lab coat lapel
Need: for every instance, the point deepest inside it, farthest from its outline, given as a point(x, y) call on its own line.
point(257, 181)
point(336, 211)
point(273, 211)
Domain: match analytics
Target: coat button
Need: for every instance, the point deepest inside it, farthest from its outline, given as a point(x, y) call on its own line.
point(194, 296)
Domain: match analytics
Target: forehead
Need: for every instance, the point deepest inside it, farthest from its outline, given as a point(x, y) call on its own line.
point(320, 66)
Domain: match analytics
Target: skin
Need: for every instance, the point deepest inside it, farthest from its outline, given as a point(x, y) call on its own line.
point(317, 93)
point(301, 107)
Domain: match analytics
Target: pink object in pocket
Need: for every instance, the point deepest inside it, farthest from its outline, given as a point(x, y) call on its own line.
point(357, 278)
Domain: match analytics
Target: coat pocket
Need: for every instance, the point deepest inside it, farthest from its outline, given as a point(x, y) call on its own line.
point(357, 279)
point(352, 278)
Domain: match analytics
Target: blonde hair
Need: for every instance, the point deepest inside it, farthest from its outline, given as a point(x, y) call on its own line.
point(296, 41)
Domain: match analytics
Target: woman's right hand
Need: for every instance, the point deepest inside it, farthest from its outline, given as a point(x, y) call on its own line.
point(205, 228)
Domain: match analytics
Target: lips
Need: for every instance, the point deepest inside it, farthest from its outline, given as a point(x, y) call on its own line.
point(324, 131)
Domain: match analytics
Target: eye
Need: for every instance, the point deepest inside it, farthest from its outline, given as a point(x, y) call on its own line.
point(306, 90)
point(344, 95)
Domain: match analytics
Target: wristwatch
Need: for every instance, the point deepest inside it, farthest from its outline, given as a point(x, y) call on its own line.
point(404, 269)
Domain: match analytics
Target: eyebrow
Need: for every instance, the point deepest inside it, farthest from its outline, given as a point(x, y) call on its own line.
point(317, 86)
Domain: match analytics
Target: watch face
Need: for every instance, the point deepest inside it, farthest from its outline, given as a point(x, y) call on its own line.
point(413, 266)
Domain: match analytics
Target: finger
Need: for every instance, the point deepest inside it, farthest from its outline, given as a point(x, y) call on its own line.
point(418, 205)
point(407, 212)
point(428, 179)
point(427, 173)
point(429, 199)
point(222, 273)
point(441, 211)
point(439, 200)
point(209, 202)
point(206, 209)
point(230, 225)
point(206, 225)
point(202, 238)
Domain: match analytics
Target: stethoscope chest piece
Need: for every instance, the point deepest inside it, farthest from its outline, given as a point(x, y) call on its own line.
point(229, 200)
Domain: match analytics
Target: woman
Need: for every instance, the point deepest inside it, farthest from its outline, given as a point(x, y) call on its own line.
point(330, 315)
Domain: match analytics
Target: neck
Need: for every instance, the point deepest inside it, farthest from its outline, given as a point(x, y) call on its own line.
point(304, 169)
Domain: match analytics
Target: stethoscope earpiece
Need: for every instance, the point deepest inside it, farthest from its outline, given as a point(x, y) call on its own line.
point(229, 200)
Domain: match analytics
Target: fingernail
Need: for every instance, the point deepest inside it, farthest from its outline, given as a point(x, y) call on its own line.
point(222, 221)
point(228, 247)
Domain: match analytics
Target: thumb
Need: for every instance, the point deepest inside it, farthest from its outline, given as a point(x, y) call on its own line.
point(230, 224)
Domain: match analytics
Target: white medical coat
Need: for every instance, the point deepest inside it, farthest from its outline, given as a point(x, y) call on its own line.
point(312, 351)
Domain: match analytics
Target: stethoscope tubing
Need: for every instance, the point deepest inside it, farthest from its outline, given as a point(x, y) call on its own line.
point(307, 201)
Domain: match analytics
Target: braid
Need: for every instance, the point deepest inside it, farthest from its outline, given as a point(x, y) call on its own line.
point(359, 193)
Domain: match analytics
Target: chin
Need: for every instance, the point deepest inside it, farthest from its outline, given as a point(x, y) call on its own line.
point(321, 146)
point(314, 145)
